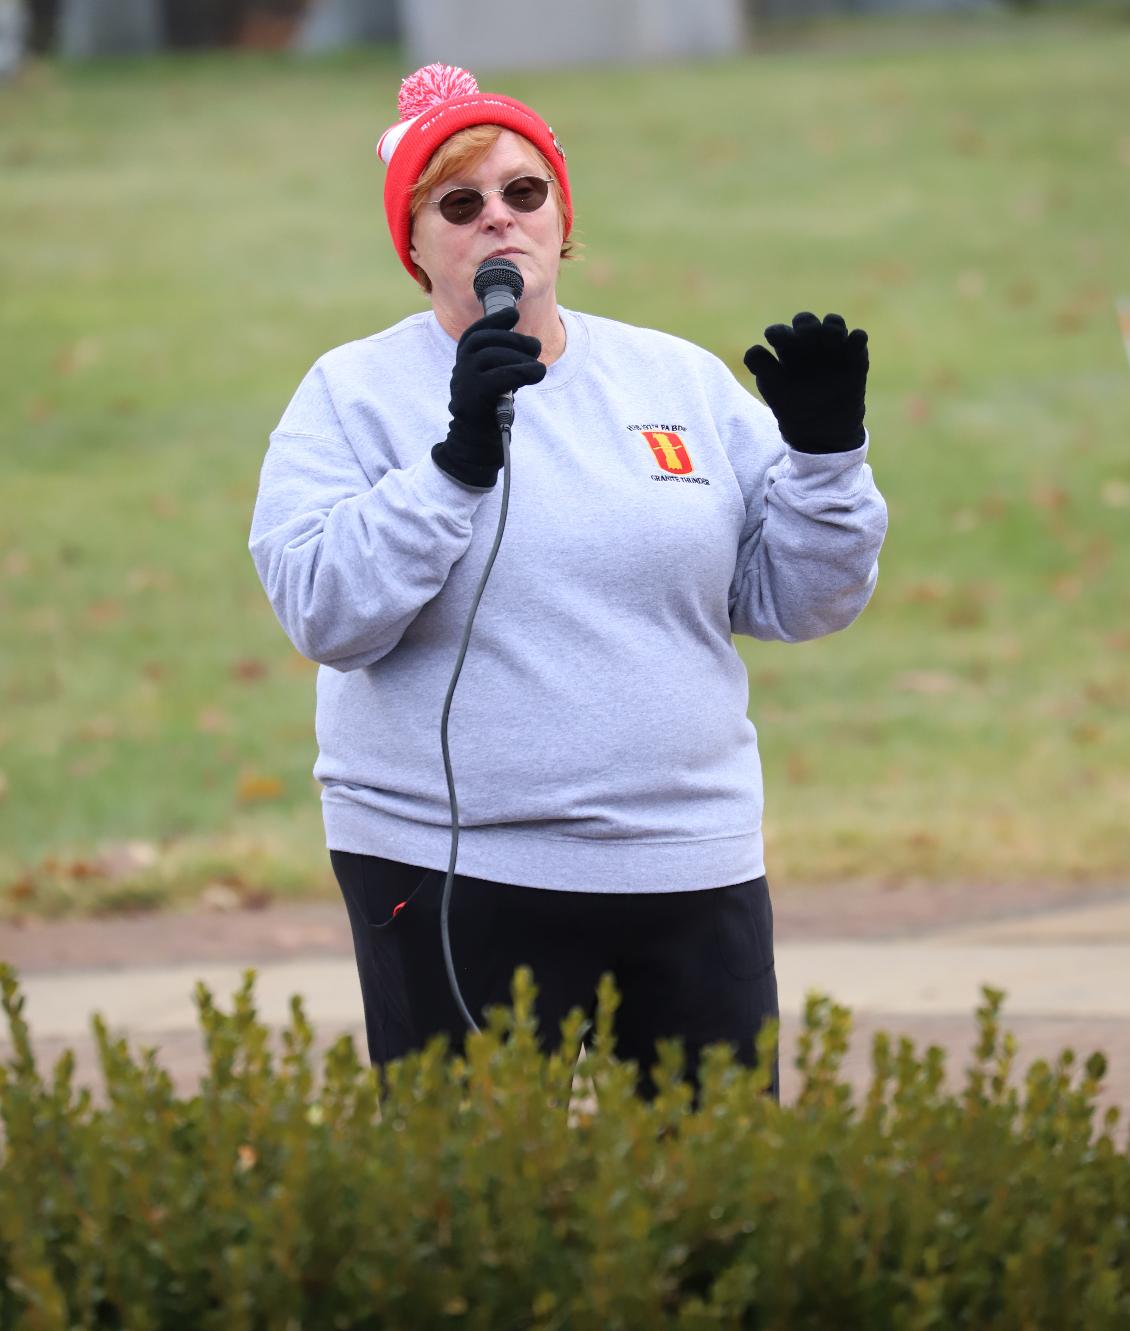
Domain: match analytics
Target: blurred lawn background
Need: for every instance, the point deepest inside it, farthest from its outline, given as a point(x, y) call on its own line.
point(183, 237)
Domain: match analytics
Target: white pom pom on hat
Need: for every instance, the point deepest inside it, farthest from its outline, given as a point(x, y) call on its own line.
point(436, 102)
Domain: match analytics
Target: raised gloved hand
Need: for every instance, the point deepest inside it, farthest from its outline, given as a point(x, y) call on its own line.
point(815, 384)
point(491, 359)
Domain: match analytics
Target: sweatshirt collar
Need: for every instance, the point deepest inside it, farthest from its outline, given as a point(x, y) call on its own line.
point(564, 368)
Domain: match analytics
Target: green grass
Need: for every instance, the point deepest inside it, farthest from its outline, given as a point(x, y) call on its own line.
point(183, 238)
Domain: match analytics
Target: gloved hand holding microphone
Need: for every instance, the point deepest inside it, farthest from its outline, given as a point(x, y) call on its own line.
point(490, 360)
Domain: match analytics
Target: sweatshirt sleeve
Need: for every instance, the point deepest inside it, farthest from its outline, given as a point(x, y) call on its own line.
point(807, 559)
point(347, 560)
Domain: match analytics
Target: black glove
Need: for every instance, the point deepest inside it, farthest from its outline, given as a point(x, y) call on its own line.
point(815, 385)
point(490, 360)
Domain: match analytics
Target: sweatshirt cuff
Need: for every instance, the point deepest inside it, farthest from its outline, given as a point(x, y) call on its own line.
point(820, 471)
point(436, 489)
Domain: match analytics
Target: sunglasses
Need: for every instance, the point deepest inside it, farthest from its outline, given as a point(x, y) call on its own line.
point(524, 194)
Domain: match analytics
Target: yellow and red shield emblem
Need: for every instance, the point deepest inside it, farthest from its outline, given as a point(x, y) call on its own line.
point(670, 451)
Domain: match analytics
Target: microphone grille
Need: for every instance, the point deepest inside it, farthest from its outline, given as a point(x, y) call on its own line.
point(500, 272)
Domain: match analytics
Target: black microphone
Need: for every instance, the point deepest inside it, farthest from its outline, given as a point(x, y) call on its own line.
point(499, 285)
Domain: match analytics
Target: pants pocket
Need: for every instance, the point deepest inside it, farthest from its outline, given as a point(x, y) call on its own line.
point(743, 928)
point(376, 889)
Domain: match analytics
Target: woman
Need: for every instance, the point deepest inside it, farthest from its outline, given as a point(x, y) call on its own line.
point(609, 782)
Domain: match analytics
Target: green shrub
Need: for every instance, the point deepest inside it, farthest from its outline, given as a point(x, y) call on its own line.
point(470, 1191)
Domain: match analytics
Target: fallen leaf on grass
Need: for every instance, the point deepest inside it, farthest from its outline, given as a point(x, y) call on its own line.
point(1081, 306)
point(23, 889)
point(254, 788)
point(123, 859)
point(919, 409)
point(966, 612)
point(944, 379)
point(1030, 206)
point(1098, 556)
point(80, 355)
point(213, 721)
point(980, 670)
point(1051, 497)
point(98, 727)
point(248, 669)
point(889, 92)
point(723, 148)
point(1070, 318)
point(1059, 708)
point(1112, 693)
point(105, 612)
point(695, 282)
point(1087, 733)
point(824, 140)
point(81, 870)
point(889, 272)
point(148, 579)
point(115, 861)
point(966, 137)
point(1067, 586)
point(600, 273)
point(1020, 293)
point(219, 897)
point(926, 591)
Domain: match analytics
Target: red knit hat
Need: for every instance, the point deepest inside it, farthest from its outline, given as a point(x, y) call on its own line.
point(435, 103)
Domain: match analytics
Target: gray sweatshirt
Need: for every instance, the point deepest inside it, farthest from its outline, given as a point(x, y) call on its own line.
point(599, 733)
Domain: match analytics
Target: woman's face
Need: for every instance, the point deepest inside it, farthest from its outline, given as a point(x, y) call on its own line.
point(450, 254)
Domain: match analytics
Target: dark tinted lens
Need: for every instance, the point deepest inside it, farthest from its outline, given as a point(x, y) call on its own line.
point(526, 194)
point(461, 205)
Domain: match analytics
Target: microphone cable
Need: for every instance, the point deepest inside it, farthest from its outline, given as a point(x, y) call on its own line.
point(498, 283)
point(504, 425)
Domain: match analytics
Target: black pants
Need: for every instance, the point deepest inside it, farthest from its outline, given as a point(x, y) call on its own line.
point(695, 965)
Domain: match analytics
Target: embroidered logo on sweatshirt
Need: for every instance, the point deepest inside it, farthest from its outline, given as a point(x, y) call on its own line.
point(669, 449)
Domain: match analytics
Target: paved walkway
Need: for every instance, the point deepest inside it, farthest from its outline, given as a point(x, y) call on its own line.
point(909, 961)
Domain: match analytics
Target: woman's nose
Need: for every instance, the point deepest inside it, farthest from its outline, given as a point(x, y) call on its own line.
point(495, 212)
